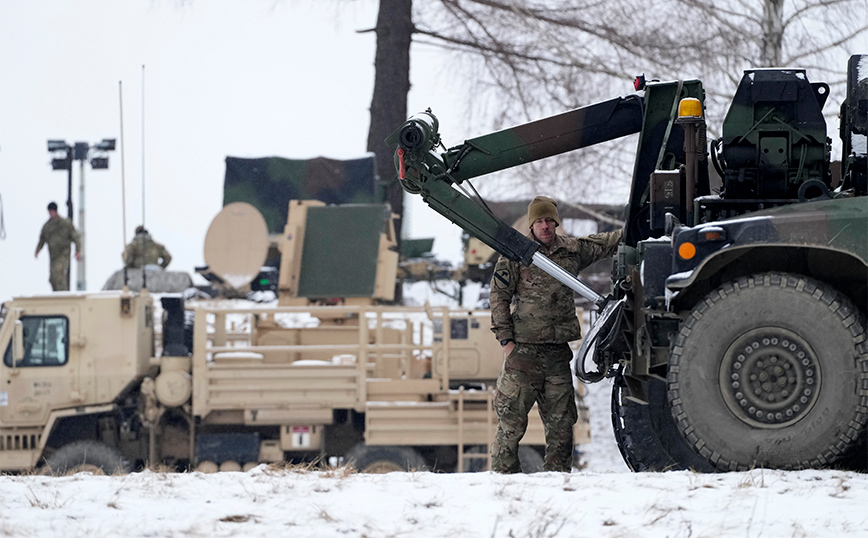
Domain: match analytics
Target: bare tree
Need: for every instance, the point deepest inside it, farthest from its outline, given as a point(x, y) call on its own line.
point(391, 84)
point(546, 56)
point(389, 102)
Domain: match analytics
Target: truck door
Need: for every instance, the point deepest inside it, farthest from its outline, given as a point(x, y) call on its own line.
point(45, 377)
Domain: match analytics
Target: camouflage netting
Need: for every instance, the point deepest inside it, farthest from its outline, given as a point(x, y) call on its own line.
point(270, 183)
point(159, 281)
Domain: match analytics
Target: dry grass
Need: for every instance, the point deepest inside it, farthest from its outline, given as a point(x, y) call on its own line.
point(750, 479)
point(160, 468)
point(547, 525)
point(842, 488)
point(235, 519)
point(283, 468)
point(325, 516)
point(46, 504)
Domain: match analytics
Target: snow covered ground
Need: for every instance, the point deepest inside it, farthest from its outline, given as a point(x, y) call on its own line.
point(604, 500)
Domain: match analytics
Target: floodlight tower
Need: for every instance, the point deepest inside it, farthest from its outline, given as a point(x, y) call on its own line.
point(64, 155)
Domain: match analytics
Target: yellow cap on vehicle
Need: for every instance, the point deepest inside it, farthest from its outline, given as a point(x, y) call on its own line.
point(690, 107)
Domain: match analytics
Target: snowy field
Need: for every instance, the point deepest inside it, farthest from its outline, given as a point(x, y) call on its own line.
point(604, 500)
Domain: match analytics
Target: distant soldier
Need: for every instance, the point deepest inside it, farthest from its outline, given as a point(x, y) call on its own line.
point(144, 251)
point(535, 335)
point(58, 233)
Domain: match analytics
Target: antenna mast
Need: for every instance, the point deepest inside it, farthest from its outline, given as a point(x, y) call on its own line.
point(123, 179)
point(144, 273)
point(143, 144)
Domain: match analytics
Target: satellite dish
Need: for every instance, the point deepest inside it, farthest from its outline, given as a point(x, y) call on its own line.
point(236, 244)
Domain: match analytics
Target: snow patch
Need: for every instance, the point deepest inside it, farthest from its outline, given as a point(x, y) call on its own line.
point(238, 281)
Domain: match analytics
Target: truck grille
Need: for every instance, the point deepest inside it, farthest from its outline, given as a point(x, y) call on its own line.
point(19, 441)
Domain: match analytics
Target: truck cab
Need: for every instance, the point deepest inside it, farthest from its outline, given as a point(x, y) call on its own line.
point(68, 361)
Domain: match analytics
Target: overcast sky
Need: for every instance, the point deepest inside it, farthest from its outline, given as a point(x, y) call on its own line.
point(255, 78)
point(222, 78)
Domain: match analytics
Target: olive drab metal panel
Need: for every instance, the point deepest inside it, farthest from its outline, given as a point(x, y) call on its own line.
point(341, 244)
point(337, 253)
point(774, 135)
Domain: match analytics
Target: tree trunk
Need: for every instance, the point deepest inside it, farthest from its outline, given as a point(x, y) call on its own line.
point(389, 103)
point(391, 85)
point(773, 33)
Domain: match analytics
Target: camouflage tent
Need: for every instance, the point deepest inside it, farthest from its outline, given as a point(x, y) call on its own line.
point(269, 183)
point(158, 280)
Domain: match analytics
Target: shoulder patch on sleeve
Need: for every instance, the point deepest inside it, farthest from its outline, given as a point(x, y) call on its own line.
point(501, 278)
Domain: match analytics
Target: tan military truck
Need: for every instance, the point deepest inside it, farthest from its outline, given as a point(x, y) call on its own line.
point(81, 386)
point(111, 380)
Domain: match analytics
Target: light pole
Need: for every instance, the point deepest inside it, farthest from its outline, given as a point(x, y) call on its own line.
point(64, 155)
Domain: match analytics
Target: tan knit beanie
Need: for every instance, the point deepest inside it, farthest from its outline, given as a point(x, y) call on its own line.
point(542, 207)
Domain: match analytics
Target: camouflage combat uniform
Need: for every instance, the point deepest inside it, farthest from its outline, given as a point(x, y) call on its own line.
point(542, 322)
point(144, 251)
point(58, 233)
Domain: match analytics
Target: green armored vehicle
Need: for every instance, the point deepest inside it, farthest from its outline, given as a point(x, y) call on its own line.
point(735, 333)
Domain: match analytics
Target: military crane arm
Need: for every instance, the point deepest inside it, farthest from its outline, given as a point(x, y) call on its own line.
point(438, 177)
point(568, 131)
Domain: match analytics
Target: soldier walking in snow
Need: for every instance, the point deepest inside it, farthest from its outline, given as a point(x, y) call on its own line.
point(58, 233)
point(535, 335)
point(143, 251)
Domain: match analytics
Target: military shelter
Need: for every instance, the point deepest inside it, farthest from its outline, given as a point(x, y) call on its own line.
point(269, 183)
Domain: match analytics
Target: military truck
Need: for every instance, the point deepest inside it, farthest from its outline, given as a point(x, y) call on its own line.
point(735, 333)
point(119, 380)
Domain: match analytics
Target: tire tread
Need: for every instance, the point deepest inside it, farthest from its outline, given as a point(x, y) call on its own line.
point(847, 315)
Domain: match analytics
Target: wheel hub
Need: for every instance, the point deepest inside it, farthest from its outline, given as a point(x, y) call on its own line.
point(769, 377)
point(382, 467)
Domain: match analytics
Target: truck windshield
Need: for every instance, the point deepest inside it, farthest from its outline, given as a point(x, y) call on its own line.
point(46, 342)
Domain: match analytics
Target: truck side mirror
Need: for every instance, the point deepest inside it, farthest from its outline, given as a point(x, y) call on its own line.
point(17, 343)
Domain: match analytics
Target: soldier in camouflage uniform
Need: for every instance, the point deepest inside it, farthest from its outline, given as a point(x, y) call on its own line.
point(144, 251)
point(535, 336)
point(58, 233)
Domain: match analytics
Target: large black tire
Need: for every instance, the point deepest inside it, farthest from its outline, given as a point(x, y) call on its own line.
point(384, 459)
point(87, 456)
point(771, 371)
point(646, 434)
